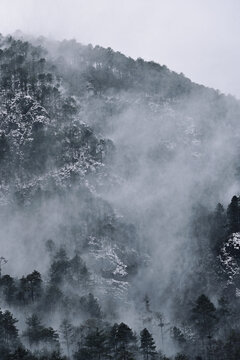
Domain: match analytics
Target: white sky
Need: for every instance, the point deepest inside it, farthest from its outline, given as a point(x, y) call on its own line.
point(200, 38)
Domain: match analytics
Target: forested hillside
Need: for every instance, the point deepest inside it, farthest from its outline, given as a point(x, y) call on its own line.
point(119, 208)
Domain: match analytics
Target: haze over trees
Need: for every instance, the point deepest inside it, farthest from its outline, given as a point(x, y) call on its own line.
point(119, 225)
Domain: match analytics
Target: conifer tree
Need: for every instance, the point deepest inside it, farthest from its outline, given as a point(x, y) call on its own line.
point(205, 320)
point(204, 316)
point(233, 215)
point(148, 347)
point(96, 344)
point(34, 284)
point(218, 228)
point(66, 330)
point(34, 330)
point(126, 342)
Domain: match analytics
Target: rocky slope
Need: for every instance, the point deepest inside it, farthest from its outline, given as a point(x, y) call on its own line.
point(52, 165)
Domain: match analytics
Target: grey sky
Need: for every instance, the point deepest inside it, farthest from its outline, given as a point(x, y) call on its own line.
point(200, 38)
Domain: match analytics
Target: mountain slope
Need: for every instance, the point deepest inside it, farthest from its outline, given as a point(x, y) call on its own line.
point(111, 169)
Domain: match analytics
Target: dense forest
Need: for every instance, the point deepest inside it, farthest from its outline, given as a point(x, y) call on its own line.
point(119, 208)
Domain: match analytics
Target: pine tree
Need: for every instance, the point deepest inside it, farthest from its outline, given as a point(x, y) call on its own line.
point(8, 330)
point(7, 283)
point(90, 305)
point(112, 339)
point(21, 354)
point(66, 330)
point(232, 346)
point(96, 344)
point(4, 146)
point(178, 336)
point(181, 357)
point(204, 315)
point(37, 333)
point(23, 292)
point(34, 282)
point(233, 215)
point(59, 267)
point(148, 347)
point(52, 297)
point(224, 313)
point(205, 320)
point(50, 337)
point(126, 342)
point(78, 273)
point(218, 228)
point(34, 330)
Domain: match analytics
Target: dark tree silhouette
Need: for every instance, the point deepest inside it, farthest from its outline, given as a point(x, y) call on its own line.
point(148, 346)
point(233, 215)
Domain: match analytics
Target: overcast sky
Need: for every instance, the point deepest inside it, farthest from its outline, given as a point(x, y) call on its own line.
point(200, 38)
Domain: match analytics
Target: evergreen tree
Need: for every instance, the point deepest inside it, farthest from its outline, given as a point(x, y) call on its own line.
point(204, 316)
point(78, 272)
point(66, 330)
point(181, 357)
point(218, 229)
point(112, 339)
point(21, 354)
point(59, 267)
point(56, 355)
point(9, 325)
point(205, 320)
point(50, 337)
point(52, 297)
point(90, 305)
point(36, 333)
point(126, 343)
point(33, 282)
point(224, 313)
point(8, 330)
point(148, 346)
point(233, 215)
point(4, 146)
point(23, 293)
point(95, 342)
point(232, 346)
point(7, 284)
point(178, 336)
point(33, 333)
